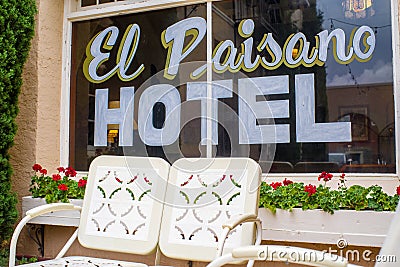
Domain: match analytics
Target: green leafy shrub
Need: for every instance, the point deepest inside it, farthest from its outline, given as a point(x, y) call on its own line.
point(288, 195)
point(4, 254)
point(24, 260)
point(59, 187)
point(17, 28)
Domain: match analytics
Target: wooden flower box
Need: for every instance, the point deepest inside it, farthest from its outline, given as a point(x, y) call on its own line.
point(62, 218)
point(358, 228)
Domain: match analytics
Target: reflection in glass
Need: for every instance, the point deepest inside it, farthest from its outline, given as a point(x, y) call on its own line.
point(347, 89)
point(357, 92)
point(105, 1)
point(152, 55)
point(88, 3)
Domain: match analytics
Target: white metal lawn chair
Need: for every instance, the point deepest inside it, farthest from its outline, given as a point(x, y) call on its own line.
point(125, 199)
point(121, 211)
point(389, 255)
point(203, 195)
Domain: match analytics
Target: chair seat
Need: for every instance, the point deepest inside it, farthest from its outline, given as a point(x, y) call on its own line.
point(75, 261)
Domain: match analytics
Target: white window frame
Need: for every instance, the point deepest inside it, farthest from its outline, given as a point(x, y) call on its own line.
point(73, 13)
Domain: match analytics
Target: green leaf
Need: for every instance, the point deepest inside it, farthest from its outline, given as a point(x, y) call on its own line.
point(355, 197)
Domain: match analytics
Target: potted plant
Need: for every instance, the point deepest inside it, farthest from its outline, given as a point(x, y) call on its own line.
point(288, 195)
point(294, 211)
point(62, 186)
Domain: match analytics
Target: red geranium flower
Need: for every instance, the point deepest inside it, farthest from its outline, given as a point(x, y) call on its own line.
point(82, 182)
point(56, 177)
point(326, 176)
point(63, 187)
point(60, 169)
point(70, 172)
point(275, 185)
point(310, 189)
point(43, 171)
point(287, 182)
point(36, 167)
point(398, 190)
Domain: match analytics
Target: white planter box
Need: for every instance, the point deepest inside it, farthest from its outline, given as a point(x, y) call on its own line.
point(63, 218)
point(359, 228)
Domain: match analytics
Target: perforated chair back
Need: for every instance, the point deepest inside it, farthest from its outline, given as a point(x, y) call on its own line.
point(123, 206)
point(202, 194)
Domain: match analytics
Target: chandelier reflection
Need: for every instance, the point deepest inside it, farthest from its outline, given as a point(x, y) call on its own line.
point(358, 8)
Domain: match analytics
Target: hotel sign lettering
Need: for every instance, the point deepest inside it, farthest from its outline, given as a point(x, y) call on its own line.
point(360, 47)
point(181, 39)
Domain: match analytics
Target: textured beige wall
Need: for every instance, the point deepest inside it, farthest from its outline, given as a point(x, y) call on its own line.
point(49, 51)
point(23, 153)
point(38, 136)
point(24, 150)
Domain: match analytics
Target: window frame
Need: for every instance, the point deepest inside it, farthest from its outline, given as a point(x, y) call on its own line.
point(73, 13)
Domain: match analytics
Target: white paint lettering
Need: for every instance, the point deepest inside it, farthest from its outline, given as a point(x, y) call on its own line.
point(307, 131)
point(122, 116)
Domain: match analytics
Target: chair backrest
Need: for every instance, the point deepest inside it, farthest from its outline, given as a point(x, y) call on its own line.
point(123, 204)
point(202, 194)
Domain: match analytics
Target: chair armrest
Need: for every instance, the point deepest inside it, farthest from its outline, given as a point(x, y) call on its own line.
point(32, 213)
point(43, 209)
point(235, 221)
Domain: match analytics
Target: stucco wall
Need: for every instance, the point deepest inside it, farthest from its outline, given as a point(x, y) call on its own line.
point(24, 150)
point(38, 137)
point(50, 26)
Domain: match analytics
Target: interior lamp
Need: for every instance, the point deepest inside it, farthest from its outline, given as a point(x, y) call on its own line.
point(358, 8)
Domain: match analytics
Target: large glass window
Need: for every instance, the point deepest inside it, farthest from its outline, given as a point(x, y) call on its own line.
point(112, 61)
point(322, 69)
point(321, 38)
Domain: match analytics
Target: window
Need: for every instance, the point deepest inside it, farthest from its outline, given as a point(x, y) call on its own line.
point(333, 107)
point(148, 59)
